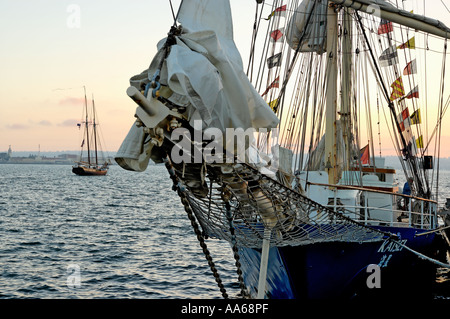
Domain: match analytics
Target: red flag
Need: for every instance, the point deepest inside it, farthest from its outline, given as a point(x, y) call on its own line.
point(385, 27)
point(274, 84)
point(414, 93)
point(404, 120)
point(277, 35)
point(411, 68)
point(397, 89)
point(364, 155)
point(280, 11)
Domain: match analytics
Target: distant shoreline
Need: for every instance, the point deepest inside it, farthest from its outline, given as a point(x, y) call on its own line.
point(69, 157)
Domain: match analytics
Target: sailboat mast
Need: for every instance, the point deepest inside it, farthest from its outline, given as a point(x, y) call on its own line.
point(87, 127)
point(346, 94)
point(95, 131)
point(331, 97)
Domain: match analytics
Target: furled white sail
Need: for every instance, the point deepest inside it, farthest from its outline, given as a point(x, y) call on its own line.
point(204, 72)
point(307, 27)
point(205, 67)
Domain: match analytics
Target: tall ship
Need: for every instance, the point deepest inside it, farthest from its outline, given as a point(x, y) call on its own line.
point(283, 158)
point(92, 161)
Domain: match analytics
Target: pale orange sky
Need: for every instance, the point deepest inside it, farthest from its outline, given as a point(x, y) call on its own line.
point(46, 59)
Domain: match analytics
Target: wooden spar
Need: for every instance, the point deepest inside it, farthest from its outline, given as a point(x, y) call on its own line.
point(346, 84)
point(87, 127)
point(401, 17)
point(331, 99)
point(95, 131)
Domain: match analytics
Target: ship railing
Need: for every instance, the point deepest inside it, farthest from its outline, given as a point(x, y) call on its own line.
point(416, 212)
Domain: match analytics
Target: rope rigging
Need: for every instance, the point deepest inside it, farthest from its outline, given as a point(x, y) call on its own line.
point(239, 203)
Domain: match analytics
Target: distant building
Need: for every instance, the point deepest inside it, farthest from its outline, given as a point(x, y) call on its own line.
point(4, 157)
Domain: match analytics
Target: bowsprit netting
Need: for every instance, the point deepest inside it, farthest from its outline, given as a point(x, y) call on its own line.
point(227, 197)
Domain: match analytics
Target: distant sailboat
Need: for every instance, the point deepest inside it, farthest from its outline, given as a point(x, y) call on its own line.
point(90, 137)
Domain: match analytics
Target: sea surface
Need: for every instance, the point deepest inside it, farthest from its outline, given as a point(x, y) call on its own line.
point(124, 235)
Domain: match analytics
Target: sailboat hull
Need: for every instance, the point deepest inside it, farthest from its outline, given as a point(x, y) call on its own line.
point(341, 269)
point(87, 171)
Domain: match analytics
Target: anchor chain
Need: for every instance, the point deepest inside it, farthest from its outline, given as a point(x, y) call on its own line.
point(236, 252)
point(184, 200)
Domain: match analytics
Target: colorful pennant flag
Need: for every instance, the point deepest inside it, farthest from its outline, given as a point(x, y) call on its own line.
point(274, 61)
point(397, 89)
point(419, 142)
point(274, 84)
point(416, 118)
point(385, 27)
point(277, 35)
point(405, 126)
point(364, 155)
point(388, 57)
point(280, 12)
point(404, 120)
point(414, 93)
point(411, 68)
point(274, 105)
point(412, 146)
point(410, 44)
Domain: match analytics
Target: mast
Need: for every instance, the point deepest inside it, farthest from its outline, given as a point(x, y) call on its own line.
point(87, 127)
point(346, 86)
point(95, 131)
point(331, 96)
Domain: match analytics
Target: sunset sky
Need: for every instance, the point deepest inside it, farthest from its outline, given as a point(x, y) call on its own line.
point(47, 56)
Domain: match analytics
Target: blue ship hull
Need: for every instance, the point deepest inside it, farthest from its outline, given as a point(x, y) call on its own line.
point(340, 269)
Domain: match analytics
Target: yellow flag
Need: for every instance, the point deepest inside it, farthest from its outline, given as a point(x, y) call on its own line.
point(410, 44)
point(415, 117)
point(274, 105)
point(397, 89)
point(419, 142)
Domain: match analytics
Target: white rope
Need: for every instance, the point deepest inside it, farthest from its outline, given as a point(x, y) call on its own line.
point(422, 256)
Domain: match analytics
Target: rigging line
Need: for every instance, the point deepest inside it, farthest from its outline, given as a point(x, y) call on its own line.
point(439, 121)
point(417, 126)
point(381, 87)
point(444, 6)
point(440, 111)
point(409, 157)
point(175, 18)
point(294, 59)
point(259, 77)
point(386, 93)
point(253, 43)
point(420, 255)
point(173, 13)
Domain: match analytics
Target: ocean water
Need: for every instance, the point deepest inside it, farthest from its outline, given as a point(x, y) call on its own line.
point(124, 235)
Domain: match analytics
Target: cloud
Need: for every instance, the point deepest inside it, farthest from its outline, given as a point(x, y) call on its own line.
point(70, 101)
point(18, 126)
point(69, 123)
point(45, 123)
